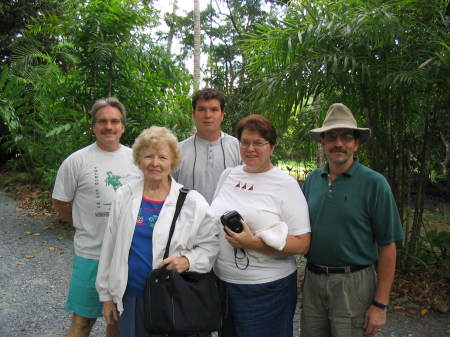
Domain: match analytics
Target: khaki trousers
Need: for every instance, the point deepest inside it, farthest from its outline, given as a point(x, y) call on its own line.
point(334, 304)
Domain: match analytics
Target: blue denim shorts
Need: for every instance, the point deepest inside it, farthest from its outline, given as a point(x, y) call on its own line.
point(260, 310)
point(83, 297)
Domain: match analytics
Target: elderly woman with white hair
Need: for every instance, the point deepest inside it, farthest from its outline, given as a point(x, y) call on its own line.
point(138, 229)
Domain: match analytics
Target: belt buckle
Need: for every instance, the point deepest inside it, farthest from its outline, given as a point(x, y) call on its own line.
point(324, 269)
point(347, 269)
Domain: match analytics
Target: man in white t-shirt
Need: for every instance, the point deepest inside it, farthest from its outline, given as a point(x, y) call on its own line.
point(209, 151)
point(84, 189)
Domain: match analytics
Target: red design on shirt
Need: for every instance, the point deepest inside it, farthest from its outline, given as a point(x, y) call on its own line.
point(244, 186)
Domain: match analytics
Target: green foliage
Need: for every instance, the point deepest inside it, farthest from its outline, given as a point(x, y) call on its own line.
point(67, 59)
point(12, 104)
point(224, 28)
point(389, 61)
point(434, 243)
point(15, 16)
point(299, 170)
point(386, 60)
point(438, 247)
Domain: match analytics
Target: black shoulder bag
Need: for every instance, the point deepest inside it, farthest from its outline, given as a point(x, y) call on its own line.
point(181, 304)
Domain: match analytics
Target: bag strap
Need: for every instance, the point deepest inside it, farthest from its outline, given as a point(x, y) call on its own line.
point(180, 201)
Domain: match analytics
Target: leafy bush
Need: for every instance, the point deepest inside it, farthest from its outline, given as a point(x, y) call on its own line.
point(67, 59)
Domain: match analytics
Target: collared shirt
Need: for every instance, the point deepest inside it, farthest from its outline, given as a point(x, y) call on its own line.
point(351, 216)
point(203, 162)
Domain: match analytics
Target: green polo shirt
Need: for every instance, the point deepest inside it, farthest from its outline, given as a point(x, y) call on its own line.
point(351, 217)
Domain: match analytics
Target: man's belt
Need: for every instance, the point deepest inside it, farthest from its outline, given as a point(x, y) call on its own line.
point(319, 269)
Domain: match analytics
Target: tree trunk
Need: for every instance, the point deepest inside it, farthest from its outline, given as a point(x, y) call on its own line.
point(171, 25)
point(320, 159)
point(197, 50)
point(402, 176)
point(444, 163)
point(412, 244)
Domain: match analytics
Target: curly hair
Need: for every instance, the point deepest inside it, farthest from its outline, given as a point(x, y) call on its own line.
point(155, 137)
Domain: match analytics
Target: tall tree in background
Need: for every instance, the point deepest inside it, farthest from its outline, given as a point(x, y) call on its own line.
point(226, 28)
point(197, 46)
point(224, 25)
point(170, 21)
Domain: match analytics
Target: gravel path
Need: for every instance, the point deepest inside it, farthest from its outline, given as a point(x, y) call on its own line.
point(35, 267)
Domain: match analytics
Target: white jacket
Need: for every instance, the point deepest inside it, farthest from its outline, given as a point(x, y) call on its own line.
point(196, 236)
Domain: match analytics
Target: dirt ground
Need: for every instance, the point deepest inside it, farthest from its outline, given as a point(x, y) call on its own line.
point(35, 267)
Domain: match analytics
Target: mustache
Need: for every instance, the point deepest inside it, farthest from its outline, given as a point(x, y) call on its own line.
point(338, 149)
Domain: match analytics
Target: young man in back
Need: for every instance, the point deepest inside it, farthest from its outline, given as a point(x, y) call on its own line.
point(207, 153)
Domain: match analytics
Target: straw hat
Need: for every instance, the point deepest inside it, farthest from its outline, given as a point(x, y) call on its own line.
point(339, 117)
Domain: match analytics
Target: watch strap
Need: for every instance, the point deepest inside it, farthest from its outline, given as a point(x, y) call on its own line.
point(379, 305)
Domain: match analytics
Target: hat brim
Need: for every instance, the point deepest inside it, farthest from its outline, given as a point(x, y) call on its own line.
point(364, 133)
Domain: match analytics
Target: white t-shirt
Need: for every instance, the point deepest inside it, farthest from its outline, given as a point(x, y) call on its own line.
point(262, 199)
point(203, 162)
point(89, 178)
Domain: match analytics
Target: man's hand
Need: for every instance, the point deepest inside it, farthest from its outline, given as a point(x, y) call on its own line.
point(374, 320)
point(178, 263)
point(110, 312)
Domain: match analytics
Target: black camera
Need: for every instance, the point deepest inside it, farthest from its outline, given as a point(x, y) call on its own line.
point(232, 220)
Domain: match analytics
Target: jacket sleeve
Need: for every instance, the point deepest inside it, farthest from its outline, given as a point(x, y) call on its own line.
point(102, 281)
point(206, 238)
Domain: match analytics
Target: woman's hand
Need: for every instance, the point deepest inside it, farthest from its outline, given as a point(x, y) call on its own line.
point(110, 312)
point(178, 263)
point(244, 239)
point(295, 244)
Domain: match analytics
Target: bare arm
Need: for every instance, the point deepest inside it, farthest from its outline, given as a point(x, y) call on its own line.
point(64, 209)
point(386, 272)
point(375, 318)
point(295, 244)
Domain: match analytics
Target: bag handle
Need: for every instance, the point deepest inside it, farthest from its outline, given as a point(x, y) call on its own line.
point(180, 201)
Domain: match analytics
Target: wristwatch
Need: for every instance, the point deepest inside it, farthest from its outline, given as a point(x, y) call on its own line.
point(379, 305)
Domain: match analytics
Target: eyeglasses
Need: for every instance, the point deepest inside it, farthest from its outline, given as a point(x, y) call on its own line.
point(105, 121)
point(332, 137)
point(256, 144)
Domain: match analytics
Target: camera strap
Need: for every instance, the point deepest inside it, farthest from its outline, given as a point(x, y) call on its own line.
point(237, 258)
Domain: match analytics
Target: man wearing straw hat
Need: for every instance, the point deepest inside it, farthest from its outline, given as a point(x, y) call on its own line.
point(354, 226)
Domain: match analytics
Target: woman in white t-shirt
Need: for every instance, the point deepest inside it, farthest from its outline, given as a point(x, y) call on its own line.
point(257, 265)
